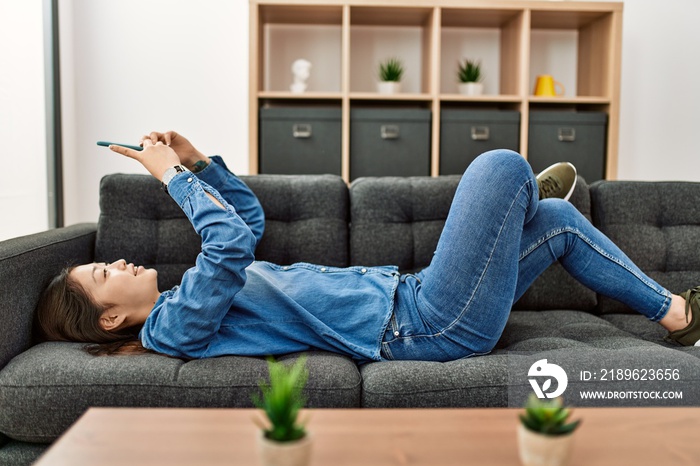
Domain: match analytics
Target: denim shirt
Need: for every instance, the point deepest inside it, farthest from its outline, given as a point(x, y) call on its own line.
point(231, 304)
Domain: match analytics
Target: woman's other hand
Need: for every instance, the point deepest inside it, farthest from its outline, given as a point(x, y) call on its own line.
point(156, 158)
point(189, 156)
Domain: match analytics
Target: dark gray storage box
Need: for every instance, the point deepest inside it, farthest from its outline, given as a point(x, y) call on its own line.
point(576, 137)
point(300, 141)
point(464, 134)
point(389, 142)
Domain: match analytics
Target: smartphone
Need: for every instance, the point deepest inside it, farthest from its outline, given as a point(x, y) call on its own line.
point(107, 144)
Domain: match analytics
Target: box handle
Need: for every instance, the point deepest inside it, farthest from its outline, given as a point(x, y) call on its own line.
point(567, 134)
point(301, 131)
point(480, 133)
point(390, 131)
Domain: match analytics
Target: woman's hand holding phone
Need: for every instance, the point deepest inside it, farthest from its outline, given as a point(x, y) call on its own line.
point(189, 156)
point(156, 158)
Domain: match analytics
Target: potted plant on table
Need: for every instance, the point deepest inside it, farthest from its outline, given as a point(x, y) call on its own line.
point(544, 435)
point(390, 73)
point(284, 441)
point(469, 76)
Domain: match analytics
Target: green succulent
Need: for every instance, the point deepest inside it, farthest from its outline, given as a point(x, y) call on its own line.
point(469, 71)
point(391, 70)
point(282, 398)
point(547, 417)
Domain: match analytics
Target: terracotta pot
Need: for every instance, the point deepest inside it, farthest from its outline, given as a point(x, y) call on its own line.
point(471, 88)
point(389, 87)
point(296, 453)
point(543, 450)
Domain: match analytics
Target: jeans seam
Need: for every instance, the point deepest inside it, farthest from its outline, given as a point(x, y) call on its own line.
point(664, 308)
point(602, 253)
point(610, 257)
point(488, 262)
point(387, 350)
point(476, 353)
point(386, 346)
point(395, 328)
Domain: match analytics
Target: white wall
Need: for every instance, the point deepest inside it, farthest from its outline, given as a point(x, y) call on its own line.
point(23, 190)
point(660, 104)
point(130, 66)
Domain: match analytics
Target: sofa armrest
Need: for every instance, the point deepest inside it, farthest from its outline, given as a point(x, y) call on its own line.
point(27, 264)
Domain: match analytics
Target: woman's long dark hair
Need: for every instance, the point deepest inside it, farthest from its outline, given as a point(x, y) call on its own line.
point(66, 312)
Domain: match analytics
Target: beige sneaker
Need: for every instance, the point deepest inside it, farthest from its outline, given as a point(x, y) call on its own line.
point(558, 180)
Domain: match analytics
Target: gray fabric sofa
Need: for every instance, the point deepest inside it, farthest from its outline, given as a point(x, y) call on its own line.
point(44, 387)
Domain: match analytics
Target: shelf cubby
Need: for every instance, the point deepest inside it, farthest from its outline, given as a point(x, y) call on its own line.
point(488, 36)
point(379, 33)
point(292, 32)
point(574, 47)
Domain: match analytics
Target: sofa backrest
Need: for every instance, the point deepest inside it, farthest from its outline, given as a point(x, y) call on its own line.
point(306, 218)
point(398, 221)
point(306, 221)
point(142, 224)
point(657, 224)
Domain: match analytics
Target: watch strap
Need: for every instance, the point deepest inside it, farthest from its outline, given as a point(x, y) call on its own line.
point(170, 174)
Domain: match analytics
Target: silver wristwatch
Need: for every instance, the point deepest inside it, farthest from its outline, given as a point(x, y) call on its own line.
point(170, 173)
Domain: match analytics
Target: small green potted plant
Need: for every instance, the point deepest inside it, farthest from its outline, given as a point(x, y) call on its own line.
point(544, 434)
point(390, 74)
point(469, 77)
point(284, 441)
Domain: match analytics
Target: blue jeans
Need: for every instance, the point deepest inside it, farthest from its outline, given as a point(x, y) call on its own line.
point(498, 238)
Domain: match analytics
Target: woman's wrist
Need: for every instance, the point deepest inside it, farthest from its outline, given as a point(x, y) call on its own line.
point(199, 164)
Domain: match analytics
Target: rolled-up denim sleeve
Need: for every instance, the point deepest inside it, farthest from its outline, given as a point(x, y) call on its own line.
point(236, 193)
point(185, 319)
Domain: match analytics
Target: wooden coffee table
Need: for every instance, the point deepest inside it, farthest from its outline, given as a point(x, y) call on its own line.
point(376, 437)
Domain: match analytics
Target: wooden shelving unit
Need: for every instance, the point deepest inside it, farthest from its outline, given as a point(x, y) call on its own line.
point(345, 39)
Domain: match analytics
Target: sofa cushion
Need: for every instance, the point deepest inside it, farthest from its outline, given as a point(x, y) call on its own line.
point(657, 225)
point(142, 224)
point(306, 218)
point(21, 453)
point(45, 389)
point(306, 221)
point(398, 221)
point(573, 339)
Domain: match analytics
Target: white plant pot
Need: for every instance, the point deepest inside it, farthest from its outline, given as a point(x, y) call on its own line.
point(471, 88)
point(389, 87)
point(543, 450)
point(296, 453)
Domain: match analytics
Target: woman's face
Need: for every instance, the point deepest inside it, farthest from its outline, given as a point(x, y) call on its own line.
point(120, 285)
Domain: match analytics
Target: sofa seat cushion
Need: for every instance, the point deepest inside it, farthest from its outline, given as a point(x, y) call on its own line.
point(575, 340)
point(643, 328)
point(45, 389)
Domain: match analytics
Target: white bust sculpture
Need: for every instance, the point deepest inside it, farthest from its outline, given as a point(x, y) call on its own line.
point(301, 69)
